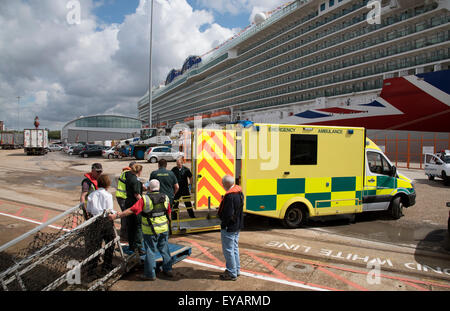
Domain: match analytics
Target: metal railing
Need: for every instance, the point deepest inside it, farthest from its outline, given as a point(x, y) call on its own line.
point(49, 256)
point(408, 152)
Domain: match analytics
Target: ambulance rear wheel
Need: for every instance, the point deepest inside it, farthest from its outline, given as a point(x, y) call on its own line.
point(295, 217)
point(430, 177)
point(396, 208)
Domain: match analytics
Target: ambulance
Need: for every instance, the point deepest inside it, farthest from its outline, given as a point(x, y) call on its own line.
point(297, 172)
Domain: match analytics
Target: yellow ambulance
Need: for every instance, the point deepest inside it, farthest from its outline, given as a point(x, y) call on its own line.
point(296, 172)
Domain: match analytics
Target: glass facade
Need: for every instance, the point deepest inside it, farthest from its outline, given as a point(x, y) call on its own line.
point(108, 122)
point(310, 56)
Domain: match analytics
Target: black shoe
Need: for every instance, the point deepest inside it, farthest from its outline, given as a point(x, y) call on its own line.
point(226, 276)
point(168, 274)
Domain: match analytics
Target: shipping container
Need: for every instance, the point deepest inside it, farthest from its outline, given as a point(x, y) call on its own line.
point(11, 140)
point(35, 141)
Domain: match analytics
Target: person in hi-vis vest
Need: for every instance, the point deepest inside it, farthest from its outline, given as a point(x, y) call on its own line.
point(155, 210)
point(121, 196)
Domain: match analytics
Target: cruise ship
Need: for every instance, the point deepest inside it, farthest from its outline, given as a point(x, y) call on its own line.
point(321, 62)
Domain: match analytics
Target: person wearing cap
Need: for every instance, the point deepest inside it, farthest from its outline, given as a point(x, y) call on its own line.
point(154, 207)
point(89, 185)
point(121, 196)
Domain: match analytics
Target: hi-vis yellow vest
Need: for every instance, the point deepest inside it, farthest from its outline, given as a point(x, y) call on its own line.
point(121, 187)
point(155, 209)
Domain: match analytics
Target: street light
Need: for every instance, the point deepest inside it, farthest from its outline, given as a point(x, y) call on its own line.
point(18, 113)
point(150, 67)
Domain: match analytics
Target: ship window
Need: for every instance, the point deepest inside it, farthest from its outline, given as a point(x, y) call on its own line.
point(303, 149)
point(331, 3)
point(322, 7)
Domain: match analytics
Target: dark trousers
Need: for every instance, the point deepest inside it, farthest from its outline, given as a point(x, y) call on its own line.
point(134, 228)
point(99, 231)
point(123, 221)
point(179, 194)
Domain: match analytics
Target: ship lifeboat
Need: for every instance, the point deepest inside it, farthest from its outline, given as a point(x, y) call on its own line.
point(221, 116)
point(163, 124)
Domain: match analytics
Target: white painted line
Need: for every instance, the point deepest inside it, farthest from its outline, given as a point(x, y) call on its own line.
point(257, 276)
point(33, 221)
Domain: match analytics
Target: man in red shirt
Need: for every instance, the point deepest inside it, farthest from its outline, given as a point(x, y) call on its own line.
point(155, 210)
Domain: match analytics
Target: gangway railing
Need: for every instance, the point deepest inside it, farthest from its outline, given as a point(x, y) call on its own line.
point(61, 254)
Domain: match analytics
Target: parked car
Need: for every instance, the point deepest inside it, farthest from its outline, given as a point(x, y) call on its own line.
point(91, 151)
point(77, 149)
point(109, 153)
point(154, 154)
point(438, 165)
point(55, 147)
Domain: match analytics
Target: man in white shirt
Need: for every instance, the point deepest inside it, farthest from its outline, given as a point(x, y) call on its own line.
point(102, 229)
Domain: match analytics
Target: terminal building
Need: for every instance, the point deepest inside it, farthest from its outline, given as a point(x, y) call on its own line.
point(324, 62)
point(100, 128)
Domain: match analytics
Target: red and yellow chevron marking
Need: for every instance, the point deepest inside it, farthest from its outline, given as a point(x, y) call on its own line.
point(215, 158)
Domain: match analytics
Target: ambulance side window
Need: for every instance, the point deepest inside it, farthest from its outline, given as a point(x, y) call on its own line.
point(378, 164)
point(303, 149)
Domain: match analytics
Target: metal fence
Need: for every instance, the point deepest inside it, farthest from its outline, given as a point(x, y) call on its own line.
point(406, 150)
point(63, 254)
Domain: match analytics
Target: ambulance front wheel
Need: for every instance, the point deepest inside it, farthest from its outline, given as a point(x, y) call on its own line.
point(396, 208)
point(295, 216)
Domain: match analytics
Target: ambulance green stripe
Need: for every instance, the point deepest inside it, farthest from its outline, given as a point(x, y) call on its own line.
point(255, 202)
point(343, 184)
point(313, 197)
point(291, 186)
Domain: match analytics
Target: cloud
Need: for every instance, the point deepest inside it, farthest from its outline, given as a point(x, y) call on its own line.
point(62, 71)
point(235, 7)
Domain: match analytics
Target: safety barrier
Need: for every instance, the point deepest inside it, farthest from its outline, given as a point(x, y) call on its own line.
point(62, 254)
point(408, 152)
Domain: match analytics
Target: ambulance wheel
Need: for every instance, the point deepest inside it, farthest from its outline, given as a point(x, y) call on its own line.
point(295, 216)
point(396, 208)
point(430, 177)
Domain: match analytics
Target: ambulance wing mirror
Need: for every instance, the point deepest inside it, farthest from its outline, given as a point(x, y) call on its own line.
point(393, 171)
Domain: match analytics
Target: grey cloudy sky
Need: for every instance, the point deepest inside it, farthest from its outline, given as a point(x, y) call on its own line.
point(62, 70)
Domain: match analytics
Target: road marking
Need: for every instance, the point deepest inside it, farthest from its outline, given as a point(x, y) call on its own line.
point(204, 251)
point(257, 276)
point(268, 266)
point(321, 264)
point(334, 275)
point(32, 221)
point(45, 217)
point(19, 211)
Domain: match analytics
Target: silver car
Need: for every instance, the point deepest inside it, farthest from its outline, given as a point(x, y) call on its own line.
point(154, 154)
point(54, 147)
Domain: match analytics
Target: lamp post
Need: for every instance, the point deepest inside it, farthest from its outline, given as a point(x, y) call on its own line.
point(18, 113)
point(150, 67)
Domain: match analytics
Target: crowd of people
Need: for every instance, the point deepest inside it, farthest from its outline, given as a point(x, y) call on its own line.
point(146, 212)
